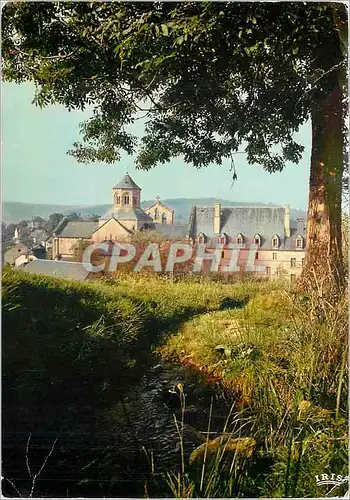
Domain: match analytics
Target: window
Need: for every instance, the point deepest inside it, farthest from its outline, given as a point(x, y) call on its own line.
point(222, 254)
point(239, 239)
point(110, 236)
point(163, 218)
point(299, 242)
point(302, 262)
point(256, 255)
point(222, 239)
point(118, 200)
point(293, 262)
point(126, 199)
point(135, 201)
point(274, 256)
point(275, 241)
point(201, 238)
point(156, 213)
point(292, 277)
point(257, 240)
point(268, 270)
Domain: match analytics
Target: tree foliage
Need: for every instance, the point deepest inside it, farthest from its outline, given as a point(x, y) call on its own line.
point(52, 222)
point(211, 76)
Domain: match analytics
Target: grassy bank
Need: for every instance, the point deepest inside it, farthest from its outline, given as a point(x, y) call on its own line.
point(70, 348)
point(283, 357)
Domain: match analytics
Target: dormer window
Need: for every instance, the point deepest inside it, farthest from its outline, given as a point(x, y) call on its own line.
point(257, 240)
point(275, 241)
point(223, 239)
point(299, 242)
point(240, 239)
point(201, 238)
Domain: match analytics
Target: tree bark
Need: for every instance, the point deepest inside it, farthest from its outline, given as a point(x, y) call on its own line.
point(324, 240)
point(324, 260)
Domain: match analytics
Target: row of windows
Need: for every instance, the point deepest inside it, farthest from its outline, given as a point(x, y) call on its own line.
point(275, 241)
point(293, 260)
point(114, 238)
point(125, 199)
point(293, 263)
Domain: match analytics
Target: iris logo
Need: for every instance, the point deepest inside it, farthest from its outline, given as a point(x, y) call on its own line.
point(334, 480)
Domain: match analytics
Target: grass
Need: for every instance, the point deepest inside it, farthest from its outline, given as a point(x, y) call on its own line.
point(69, 347)
point(284, 365)
point(280, 354)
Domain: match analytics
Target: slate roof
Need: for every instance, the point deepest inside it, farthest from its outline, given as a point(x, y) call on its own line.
point(246, 220)
point(77, 229)
point(127, 183)
point(39, 234)
point(59, 269)
point(174, 231)
point(62, 223)
point(127, 214)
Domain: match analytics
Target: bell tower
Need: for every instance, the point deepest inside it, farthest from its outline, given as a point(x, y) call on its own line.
point(126, 194)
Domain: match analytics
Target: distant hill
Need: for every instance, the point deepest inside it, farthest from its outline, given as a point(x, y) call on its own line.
point(15, 211)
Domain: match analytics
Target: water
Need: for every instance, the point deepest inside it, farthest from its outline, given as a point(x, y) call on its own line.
point(144, 419)
point(114, 452)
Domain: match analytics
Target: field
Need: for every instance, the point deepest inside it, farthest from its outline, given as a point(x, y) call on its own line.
point(277, 355)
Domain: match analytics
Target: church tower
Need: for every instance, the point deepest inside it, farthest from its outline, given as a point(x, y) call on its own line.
point(126, 194)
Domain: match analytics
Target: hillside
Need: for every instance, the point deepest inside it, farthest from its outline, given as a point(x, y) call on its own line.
point(13, 211)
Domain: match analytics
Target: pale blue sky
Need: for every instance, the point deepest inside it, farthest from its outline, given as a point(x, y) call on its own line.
point(36, 168)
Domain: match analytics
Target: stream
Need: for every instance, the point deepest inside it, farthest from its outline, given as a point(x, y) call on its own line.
point(143, 421)
point(114, 452)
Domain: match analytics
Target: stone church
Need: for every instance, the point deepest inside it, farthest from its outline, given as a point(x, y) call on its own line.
point(160, 213)
point(125, 218)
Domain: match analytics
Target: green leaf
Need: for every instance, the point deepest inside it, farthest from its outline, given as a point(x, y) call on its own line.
point(180, 40)
point(165, 30)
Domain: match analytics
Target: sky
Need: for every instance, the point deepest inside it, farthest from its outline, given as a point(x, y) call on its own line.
point(37, 169)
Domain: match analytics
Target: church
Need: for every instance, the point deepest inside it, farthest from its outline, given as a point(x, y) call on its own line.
point(124, 219)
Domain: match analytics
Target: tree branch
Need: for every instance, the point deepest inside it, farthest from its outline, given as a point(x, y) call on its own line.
point(41, 468)
point(62, 56)
point(27, 458)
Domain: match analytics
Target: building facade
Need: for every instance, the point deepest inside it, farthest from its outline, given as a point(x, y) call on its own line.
point(279, 241)
point(125, 218)
point(161, 213)
point(12, 253)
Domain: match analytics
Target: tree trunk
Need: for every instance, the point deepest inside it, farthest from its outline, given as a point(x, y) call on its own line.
point(324, 261)
point(324, 241)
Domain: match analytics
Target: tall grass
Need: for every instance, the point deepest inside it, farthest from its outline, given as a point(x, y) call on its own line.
point(280, 352)
point(70, 348)
point(283, 357)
